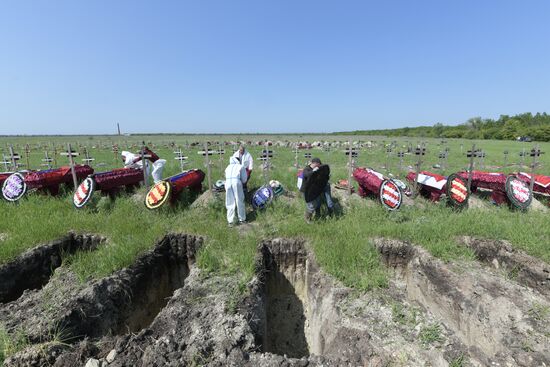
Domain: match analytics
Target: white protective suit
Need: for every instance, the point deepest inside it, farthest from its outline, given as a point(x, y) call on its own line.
point(158, 165)
point(129, 161)
point(235, 177)
point(246, 159)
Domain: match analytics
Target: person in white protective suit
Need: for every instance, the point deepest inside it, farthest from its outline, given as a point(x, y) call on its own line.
point(132, 160)
point(235, 178)
point(246, 160)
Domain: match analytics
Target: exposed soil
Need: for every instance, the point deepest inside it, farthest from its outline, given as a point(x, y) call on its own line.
point(496, 319)
point(515, 264)
point(33, 269)
point(126, 301)
point(162, 311)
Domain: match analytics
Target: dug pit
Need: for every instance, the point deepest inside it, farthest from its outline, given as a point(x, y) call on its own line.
point(296, 313)
point(492, 316)
point(33, 269)
point(130, 299)
point(125, 302)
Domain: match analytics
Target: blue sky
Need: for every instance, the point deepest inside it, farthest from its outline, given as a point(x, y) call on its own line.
point(267, 66)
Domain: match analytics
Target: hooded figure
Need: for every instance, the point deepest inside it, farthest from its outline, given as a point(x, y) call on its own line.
point(235, 177)
point(245, 158)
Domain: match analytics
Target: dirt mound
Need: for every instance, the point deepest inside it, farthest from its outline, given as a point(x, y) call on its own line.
point(493, 317)
point(475, 202)
point(207, 199)
point(537, 206)
point(346, 201)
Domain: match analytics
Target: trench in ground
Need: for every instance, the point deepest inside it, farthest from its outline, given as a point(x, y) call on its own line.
point(486, 312)
point(295, 318)
point(163, 271)
point(130, 299)
point(34, 268)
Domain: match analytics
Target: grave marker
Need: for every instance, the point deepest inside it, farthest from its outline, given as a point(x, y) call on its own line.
point(88, 159)
point(144, 156)
point(535, 154)
point(181, 158)
point(70, 153)
point(14, 157)
point(389, 150)
point(400, 155)
point(420, 151)
point(471, 154)
point(27, 155)
point(115, 152)
point(522, 154)
point(207, 153)
point(47, 160)
point(266, 166)
point(221, 153)
point(351, 153)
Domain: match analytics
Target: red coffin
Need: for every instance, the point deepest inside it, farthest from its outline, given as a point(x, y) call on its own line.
point(52, 178)
point(106, 181)
point(369, 181)
point(430, 192)
point(192, 179)
point(541, 185)
point(494, 181)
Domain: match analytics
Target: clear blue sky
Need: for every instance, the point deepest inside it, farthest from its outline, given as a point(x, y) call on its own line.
point(267, 66)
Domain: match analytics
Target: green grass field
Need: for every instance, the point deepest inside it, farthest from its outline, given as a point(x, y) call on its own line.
point(341, 245)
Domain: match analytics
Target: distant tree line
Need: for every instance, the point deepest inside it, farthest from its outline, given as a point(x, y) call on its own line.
point(536, 127)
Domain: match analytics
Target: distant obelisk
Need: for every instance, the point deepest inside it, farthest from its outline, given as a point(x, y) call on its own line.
point(118, 127)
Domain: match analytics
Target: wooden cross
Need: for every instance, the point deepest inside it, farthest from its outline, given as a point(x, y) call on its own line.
point(535, 154)
point(443, 159)
point(265, 157)
point(220, 153)
point(471, 154)
point(70, 153)
point(400, 155)
point(481, 155)
point(6, 162)
point(27, 155)
point(207, 153)
point(351, 153)
point(47, 160)
point(88, 160)
point(389, 150)
point(14, 157)
point(522, 154)
point(419, 152)
point(144, 156)
point(115, 152)
point(181, 158)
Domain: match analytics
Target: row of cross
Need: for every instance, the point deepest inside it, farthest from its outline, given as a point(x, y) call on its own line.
point(11, 161)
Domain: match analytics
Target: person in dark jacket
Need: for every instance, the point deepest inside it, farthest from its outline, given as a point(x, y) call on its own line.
point(315, 186)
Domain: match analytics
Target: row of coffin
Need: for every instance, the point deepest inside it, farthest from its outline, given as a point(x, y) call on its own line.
point(512, 189)
point(16, 184)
